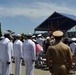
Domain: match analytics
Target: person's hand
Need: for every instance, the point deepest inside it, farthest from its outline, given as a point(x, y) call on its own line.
point(21, 58)
point(8, 63)
point(33, 60)
point(51, 69)
point(12, 57)
point(67, 71)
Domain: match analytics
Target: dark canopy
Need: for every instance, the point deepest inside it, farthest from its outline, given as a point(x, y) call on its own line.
point(57, 21)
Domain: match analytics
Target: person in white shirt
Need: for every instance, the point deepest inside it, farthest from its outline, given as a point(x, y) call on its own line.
point(29, 54)
point(11, 52)
point(5, 56)
point(34, 38)
point(17, 50)
point(73, 45)
point(40, 40)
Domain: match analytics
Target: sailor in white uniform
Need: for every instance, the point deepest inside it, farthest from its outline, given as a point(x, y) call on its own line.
point(40, 40)
point(29, 54)
point(11, 52)
point(73, 46)
point(5, 56)
point(17, 50)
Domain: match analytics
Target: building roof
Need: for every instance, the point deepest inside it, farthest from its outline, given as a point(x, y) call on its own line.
point(57, 21)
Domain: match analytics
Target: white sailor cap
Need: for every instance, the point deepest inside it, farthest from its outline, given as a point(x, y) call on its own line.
point(11, 36)
point(39, 34)
point(47, 37)
point(18, 35)
point(29, 34)
point(6, 32)
point(2, 37)
point(73, 39)
point(52, 37)
point(33, 36)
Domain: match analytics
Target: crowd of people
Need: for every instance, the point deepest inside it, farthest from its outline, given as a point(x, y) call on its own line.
point(54, 47)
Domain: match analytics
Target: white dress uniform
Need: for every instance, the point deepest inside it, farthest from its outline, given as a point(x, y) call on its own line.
point(40, 40)
point(29, 54)
point(11, 52)
point(73, 47)
point(17, 49)
point(5, 56)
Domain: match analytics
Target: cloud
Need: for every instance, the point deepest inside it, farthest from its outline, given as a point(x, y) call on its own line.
point(34, 10)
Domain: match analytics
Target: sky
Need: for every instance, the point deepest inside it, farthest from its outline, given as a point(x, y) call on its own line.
point(23, 16)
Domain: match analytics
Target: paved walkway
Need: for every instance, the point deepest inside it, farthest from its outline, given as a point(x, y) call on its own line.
point(37, 71)
point(40, 71)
